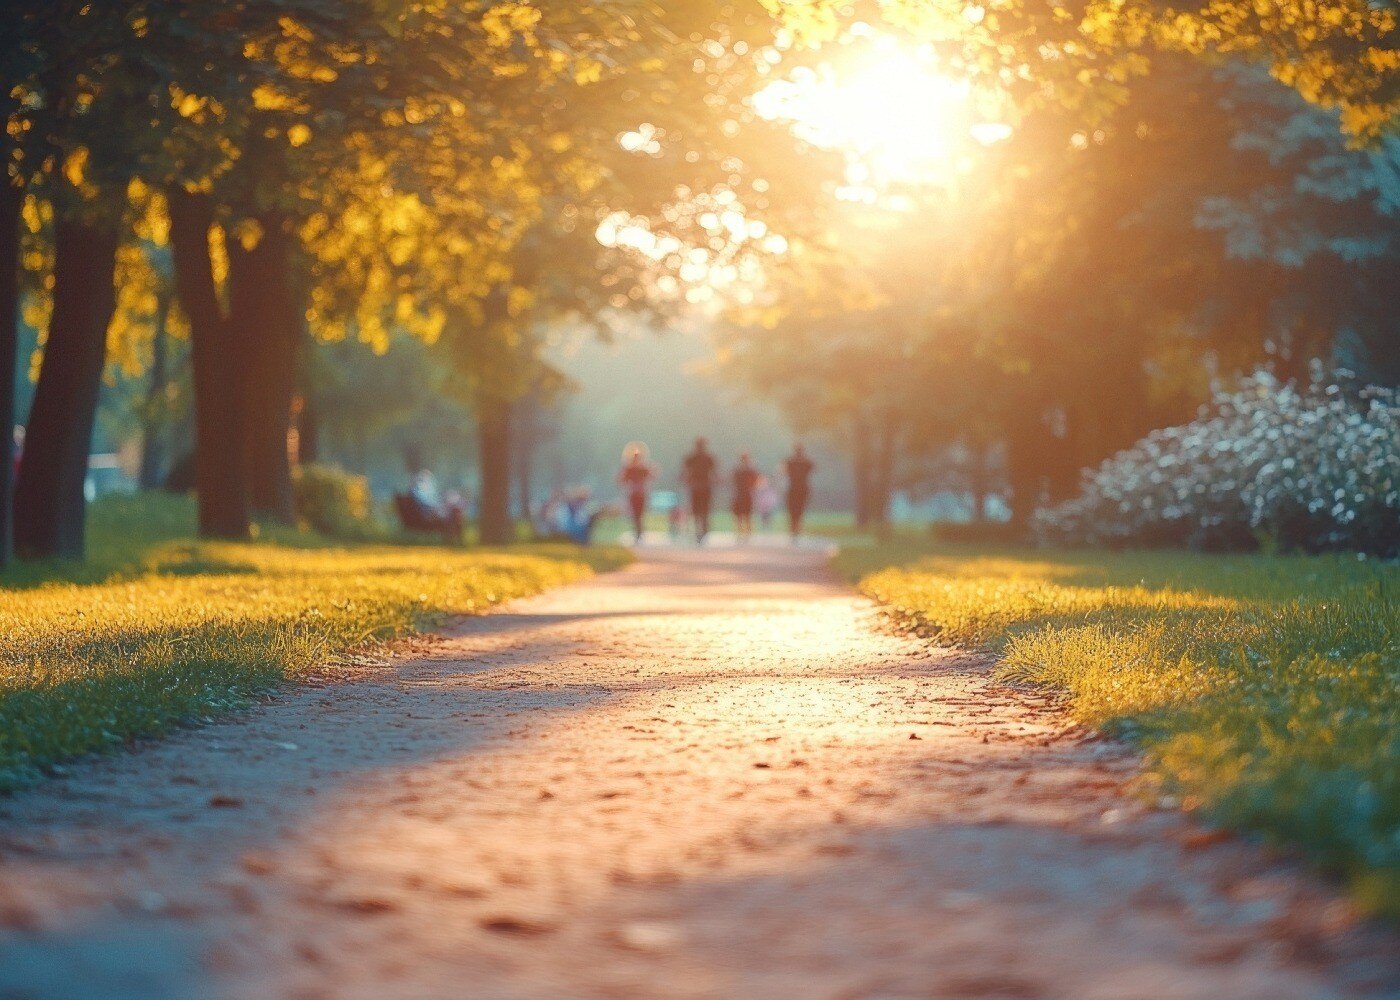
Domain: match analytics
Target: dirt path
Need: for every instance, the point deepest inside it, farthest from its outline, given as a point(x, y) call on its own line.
point(710, 775)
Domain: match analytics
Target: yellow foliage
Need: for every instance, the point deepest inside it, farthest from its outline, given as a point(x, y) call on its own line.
point(138, 303)
point(248, 233)
point(150, 217)
point(266, 97)
point(588, 71)
point(293, 29)
point(503, 23)
point(75, 166)
point(519, 300)
point(218, 255)
point(36, 213)
point(187, 105)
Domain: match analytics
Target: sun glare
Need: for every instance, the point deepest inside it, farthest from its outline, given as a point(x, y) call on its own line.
point(897, 117)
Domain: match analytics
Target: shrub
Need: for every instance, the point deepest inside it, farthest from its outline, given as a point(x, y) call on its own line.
point(1313, 469)
point(335, 502)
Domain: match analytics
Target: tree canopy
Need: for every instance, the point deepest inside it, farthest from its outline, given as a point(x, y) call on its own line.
point(256, 175)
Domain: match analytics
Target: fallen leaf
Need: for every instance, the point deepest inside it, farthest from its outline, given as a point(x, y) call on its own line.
point(525, 926)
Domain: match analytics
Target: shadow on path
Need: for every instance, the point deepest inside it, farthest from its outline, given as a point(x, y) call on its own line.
point(708, 775)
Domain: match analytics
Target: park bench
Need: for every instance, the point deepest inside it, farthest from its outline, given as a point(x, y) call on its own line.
point(413, 517)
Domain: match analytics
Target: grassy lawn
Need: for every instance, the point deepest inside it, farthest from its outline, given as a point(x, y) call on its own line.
point(1266, 691)
point(157, 629)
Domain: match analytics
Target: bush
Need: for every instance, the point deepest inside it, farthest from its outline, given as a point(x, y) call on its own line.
point(335, 502)
point(1314, 470)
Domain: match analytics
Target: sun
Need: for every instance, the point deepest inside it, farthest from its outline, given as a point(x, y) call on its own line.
point(892, 111)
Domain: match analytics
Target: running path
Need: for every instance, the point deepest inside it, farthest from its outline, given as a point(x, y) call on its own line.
point(710, 775)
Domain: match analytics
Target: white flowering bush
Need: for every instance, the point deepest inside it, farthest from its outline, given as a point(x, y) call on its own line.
point(1312, 469)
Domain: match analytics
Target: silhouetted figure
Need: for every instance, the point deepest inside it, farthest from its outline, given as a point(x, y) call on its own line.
point(799, 476)
point(422, 509)
point(569, 517)
point(635, 476)
point(745, 482)
point(698, 475)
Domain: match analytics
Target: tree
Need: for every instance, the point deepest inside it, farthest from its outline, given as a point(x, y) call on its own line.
point(81, 142)
point(1082, 294)
point(1338, 54)
point(11, 201)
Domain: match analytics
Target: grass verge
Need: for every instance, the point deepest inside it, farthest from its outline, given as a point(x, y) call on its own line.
point(1266, 691)
point(157, 629)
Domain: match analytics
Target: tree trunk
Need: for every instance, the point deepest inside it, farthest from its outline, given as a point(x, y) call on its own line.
point(882, 476)
point(49, 501)
point(1023, 468)
point(493, 430)
point(977, 479)
point(219, 479)
point(306, 415)
point(525, 462)
point(266, 321)
point(11, 201)
point(153, 427)
point(308, 432)
point(526, 477)
point(860, 462)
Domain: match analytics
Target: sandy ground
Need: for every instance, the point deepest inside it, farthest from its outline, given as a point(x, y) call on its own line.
point(710, 775)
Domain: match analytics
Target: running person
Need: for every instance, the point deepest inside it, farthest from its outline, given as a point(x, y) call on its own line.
point(745, 481)
point(799, 476)
point(698, 475)
point(634, 477)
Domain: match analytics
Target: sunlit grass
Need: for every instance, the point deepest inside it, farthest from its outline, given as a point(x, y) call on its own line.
point(159, 629)
point(1263, 689)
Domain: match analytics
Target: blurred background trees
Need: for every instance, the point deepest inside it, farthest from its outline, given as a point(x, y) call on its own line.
point(240, 235)
point(1069, 287)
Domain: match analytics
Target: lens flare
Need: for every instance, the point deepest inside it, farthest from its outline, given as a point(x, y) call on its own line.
point(894, 113)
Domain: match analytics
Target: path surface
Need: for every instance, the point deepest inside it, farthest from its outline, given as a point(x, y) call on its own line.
point(710, 775)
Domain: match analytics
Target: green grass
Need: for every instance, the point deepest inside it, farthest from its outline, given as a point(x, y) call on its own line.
point(1266, 691)
point(158, 629)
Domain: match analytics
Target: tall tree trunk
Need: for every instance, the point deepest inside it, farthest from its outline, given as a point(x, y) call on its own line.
point(977, 478)
point(882, 474)
point(219, 476)
point(860, 468)
point(153, 427)
point(305, 413)
point(11, 201)
point(308, 431)
point(493, 430)
point(525, 458)
point(49, 501)
point(1024, 443)
point(266, 320)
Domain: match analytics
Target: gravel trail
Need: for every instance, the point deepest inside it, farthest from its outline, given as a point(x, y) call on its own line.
point(713, 774)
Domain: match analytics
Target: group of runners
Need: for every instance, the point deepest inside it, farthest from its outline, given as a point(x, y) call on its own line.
point(700, 477)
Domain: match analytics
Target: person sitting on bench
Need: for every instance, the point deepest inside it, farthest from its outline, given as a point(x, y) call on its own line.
point(570, 518)
point(421, 509)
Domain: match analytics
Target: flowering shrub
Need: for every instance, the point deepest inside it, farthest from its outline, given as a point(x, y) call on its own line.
point(336, 503)
point(1312, 469)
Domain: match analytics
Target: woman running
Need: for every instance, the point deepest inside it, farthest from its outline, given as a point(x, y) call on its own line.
point(698, 475)
point(635, 477)
point(799, 476)
point(745, 480)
